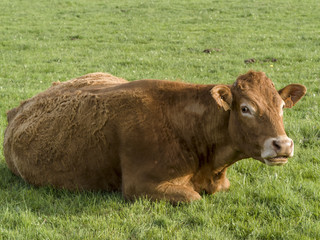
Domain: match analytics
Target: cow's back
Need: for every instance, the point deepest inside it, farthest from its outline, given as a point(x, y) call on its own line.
point(58, 137)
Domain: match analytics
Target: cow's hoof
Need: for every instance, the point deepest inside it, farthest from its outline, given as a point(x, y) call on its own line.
point(225, 185)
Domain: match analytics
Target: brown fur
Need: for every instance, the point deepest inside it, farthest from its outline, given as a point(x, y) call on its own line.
point(161, 139)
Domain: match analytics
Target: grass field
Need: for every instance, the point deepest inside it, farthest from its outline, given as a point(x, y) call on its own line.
point(45, 41)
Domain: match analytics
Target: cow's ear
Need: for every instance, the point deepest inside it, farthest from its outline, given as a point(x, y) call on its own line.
point(292, 93)
point(223, 96)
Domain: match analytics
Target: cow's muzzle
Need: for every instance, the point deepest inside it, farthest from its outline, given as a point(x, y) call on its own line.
point(276, 151)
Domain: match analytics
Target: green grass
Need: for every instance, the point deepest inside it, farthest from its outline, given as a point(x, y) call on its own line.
point(45, 41)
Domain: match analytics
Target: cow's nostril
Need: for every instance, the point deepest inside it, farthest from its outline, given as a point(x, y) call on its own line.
point(276, 145)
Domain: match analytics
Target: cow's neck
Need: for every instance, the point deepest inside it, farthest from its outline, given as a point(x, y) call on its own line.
point(202, 127)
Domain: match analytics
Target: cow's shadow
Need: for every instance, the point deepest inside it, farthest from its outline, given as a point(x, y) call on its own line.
point(18, 195)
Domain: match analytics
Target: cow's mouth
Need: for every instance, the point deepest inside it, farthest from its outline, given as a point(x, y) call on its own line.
point(276, 161)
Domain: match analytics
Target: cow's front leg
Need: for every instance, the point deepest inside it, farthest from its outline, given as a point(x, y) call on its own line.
point(164, 191)
point(210, 182)
point(177, 193)
point(220, 181)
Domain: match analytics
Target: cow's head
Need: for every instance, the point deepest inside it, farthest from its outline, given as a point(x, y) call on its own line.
point(256, 123)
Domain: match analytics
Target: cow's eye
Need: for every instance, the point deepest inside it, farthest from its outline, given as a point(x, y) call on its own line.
point(245, 110)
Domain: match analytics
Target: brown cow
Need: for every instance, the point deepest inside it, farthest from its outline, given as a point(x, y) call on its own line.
point(160, 139)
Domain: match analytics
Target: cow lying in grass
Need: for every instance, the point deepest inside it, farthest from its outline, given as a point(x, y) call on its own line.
point(160, 139)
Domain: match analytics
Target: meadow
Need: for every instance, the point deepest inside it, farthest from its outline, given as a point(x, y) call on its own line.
point(45, 41)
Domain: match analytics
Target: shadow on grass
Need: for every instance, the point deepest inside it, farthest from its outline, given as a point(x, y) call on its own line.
point(17, 195)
